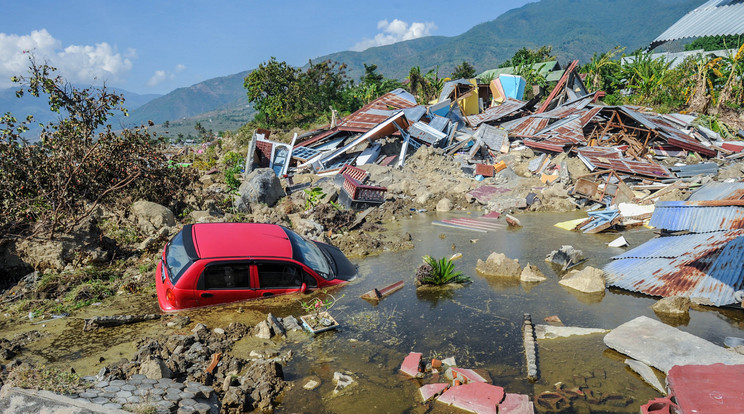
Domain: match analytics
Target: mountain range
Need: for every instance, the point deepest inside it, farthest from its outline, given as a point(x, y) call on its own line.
point(576, 29)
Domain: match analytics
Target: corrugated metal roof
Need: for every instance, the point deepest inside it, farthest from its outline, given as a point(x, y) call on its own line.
point(714, 18)
point(377, 111)
point(609, 159)
point(525, 127)
point(706, 266)
point(706, 168)
point(494, 113)
point(691, 216)
point(719, 191)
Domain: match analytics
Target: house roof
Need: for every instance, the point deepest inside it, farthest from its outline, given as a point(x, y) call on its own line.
point(713, 18)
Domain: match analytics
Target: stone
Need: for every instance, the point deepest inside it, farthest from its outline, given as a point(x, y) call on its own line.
point(99, 400)
point(112, 406)
point(151, 217)
point(646, 373)
point(155, 368)
point(262, 330)
point(565, 256)
point(275, 325)
point(531, 273)
point(123, 394)
point(88, 394)
point(260, 186)
point(444, 205)
point(290, 323)
point(673, 305)
point(498, 265)
point(219, 331)
point(202, 408)
point(662, 346)
point(588, 280)
point(311, 383)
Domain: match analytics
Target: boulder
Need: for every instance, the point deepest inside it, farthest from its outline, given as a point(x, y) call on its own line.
point(155, 368)
point(262, 330)
point(497, 264)
point(588, 280)
point(151, 217)
point(673, 305)
point(444, 204)
point(531, 273)
point(260, 186)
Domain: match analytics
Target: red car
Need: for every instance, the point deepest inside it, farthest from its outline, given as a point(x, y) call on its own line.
point(213, 263)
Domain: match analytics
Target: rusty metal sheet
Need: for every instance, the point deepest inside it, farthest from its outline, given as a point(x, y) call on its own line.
point(697, 216)
point(546, 145)
point(527, 126)
point(719, 191)
point(375, 112)
point(612, 160)
point(704, 266)
point(510, 107)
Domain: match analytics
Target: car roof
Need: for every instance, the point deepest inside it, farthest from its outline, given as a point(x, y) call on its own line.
point(241, 240)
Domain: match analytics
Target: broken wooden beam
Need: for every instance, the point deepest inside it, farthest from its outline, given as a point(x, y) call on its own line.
point(378, 294)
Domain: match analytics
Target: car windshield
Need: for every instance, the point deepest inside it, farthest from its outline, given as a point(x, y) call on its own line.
point(176, 258)
point(308, 253)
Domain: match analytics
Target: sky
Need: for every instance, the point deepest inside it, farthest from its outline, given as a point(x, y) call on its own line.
point(157, 46)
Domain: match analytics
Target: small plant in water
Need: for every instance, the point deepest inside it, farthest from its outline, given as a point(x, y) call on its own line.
point(438, 272)
point(317, 309)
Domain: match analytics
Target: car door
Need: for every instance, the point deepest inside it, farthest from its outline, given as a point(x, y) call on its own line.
point(226, 281)
point(278, 278)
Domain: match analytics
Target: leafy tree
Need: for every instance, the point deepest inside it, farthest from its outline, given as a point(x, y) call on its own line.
point(602, 70)
point(79, 162)
point(525, 56)
point(463, 71)
point(273, 89)
point(424, 87)
point(322, 86)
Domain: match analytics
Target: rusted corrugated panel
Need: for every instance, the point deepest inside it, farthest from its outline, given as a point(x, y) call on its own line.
point(612, 160)
point(376, 112)
point(719, 191)
point(494, 113)
point(694, 217)
point(526, 127)
point(569, 108)
point(705, 266)
point(545, 145)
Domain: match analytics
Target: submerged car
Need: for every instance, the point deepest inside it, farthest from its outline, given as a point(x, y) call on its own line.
point(214, 263)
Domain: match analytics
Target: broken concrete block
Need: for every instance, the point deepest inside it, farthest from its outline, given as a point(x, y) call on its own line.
point(646, 373)
point(342, 381)
point(531, 273)
point(475, 397)
point(429, 391)
point(662, 346)
point(551, 332)
point(411, 364)
point(467, 375)
point(565, 256)
point(673, 305)
point(497, 264)
point(588, 280)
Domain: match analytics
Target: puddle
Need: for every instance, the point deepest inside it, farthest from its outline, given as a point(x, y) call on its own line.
point(479, 324)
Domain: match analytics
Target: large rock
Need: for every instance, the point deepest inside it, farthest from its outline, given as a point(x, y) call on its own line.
point(155, 368)
point(260, 186)
point(497, 264)
point(567, 255)
point(673, 305)
point(588, 280)
point(444, 204)
point(151, 217)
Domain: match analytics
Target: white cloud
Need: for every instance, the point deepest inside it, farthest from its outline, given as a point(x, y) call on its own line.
point(77, 63)
point(162, 75)
point(396, 31)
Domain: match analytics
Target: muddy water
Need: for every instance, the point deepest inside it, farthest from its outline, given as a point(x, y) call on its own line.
point(478, 324)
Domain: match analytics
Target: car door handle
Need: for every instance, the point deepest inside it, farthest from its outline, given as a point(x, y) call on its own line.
point(268, 294)
point(206, 295)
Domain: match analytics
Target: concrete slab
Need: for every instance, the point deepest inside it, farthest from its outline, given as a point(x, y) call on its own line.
point(411, 363)
point(647, 373)
point(475, 397)
point(550, 331)
point(22, 401)
point(708, 388)
point(662, 346)
point(516, 404)
point(430, 390)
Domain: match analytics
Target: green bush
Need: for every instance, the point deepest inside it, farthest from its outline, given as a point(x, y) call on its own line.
point(442, 272)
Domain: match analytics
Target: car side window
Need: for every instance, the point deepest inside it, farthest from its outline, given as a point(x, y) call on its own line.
point(309, 280)
point(227, 276)
point(279, 275)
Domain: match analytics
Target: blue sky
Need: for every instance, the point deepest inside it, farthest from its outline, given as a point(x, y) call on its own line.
point(158, 46)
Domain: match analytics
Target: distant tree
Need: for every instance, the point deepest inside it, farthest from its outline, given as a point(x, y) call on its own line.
point(166, 124)
point(463, 71)
point(525, 56)
point(371, 77)
point(708, 43)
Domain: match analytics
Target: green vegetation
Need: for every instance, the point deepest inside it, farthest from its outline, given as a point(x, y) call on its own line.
point(233, 168)
point(708, 43)
point(313, 197)
point(463, 71)
point(441, 272)
point(79, 163)
point(49, 379)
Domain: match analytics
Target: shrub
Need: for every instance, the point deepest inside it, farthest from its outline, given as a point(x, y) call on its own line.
point(439, 272)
